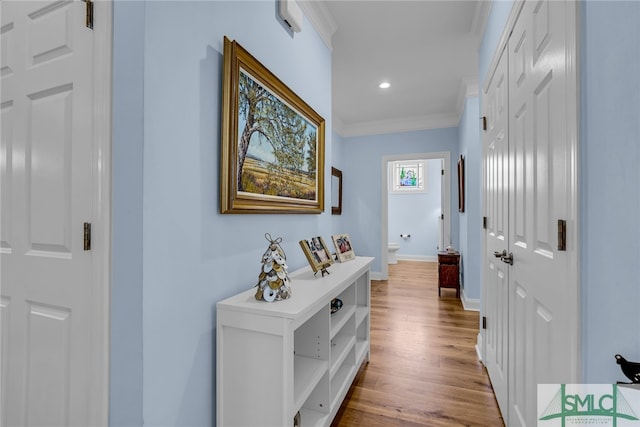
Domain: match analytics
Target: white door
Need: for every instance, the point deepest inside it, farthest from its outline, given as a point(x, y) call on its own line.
point(539, 168)
point(543, 295)
point(53, 325)
point(495, 295)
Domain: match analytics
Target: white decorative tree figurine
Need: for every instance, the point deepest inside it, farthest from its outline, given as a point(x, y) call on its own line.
point(273, 281)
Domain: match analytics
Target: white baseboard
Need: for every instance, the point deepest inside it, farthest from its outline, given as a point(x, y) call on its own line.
point(469, 304)
point(422, 258)
point(479, 348)
point(376, 275)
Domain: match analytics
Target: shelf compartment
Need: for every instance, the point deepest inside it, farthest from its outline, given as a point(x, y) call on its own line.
point(311, 338)
point(362, 348)
point(340, 348)
point(342, 380)
point(362, 290)
point(311, 418)
point(362, 340)
point(340, 318)
point(316, 406)
point(361, 314)
point(307, 373)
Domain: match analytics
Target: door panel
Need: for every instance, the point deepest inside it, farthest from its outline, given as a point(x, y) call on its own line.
point(48, 365)
point(543, 308)
point(48, 291)
point(520, 344)
point(49, 195)
point(495, 296)
point(6, 172)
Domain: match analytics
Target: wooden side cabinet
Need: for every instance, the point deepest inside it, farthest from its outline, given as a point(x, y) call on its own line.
point(449, 271)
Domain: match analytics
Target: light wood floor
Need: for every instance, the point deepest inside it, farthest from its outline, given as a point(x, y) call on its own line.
point(423, 369)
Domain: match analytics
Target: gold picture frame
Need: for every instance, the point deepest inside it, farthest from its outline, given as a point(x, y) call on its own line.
point(272, 144)
point(317, 253)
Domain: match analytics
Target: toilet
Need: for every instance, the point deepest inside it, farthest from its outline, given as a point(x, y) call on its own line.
point(391, 257)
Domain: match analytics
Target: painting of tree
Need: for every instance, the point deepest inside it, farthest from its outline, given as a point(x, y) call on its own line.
point(276, 145)
point(272, 144)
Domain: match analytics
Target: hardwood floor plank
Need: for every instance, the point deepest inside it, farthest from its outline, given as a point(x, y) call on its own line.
point(424, 369)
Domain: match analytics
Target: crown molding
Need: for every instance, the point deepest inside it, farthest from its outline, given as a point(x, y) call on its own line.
point(480, 18)
point(408, 124)
point(321, 19)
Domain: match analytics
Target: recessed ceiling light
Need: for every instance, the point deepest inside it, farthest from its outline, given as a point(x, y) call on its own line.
point(384, 85)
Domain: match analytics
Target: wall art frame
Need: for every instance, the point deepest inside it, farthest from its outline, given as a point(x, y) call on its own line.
point(336, 191)
point(461, 184)
point(272, 142)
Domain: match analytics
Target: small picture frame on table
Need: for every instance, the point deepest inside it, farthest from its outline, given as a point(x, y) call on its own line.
point(317, 254)
point(344, 249)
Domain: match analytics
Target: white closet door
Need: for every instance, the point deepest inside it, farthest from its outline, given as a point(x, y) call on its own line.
point(542, 295)
point(495, 297)
point(530, 155)
point(49, 297)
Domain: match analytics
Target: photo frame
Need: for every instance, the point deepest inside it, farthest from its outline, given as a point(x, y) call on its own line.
point(461, 184)
point(344, 249)
point(272, 143)
point(317, 254)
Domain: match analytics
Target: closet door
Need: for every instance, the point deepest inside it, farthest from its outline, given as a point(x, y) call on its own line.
point(530, 178)
point(495, 298)
point(542, 289)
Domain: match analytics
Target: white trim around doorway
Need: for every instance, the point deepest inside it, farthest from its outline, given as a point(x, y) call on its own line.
point(101, 227)
point(384, 198)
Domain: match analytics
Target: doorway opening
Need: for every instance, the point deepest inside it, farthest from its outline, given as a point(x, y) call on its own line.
point(444, 223)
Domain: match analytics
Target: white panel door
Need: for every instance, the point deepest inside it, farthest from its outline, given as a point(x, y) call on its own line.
point(542, 293)
point(48, 171)
point(495, 295)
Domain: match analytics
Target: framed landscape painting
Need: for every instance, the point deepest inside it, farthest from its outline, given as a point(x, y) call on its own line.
point(272, 145)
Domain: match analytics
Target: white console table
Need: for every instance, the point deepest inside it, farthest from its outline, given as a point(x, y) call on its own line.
point(275, 359)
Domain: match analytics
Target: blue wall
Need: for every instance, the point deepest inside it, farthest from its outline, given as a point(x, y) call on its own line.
point(362, 180)
point(167, 87)
point(126, 381)
point(610, 199)
point(471, 232)
point(418, 214)
point(338, 162)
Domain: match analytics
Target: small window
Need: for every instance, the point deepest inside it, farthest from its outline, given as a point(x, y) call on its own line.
point(408, 176)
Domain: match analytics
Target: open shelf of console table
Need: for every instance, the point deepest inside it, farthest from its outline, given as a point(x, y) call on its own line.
point(275, 359)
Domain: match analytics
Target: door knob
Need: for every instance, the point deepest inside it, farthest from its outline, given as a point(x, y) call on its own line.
point(500, 254)
point(507, 258)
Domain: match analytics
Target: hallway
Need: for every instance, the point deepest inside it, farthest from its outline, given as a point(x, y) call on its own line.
point(424, 369)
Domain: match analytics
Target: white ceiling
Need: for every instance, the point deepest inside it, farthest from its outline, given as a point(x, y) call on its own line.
point(426, 49)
